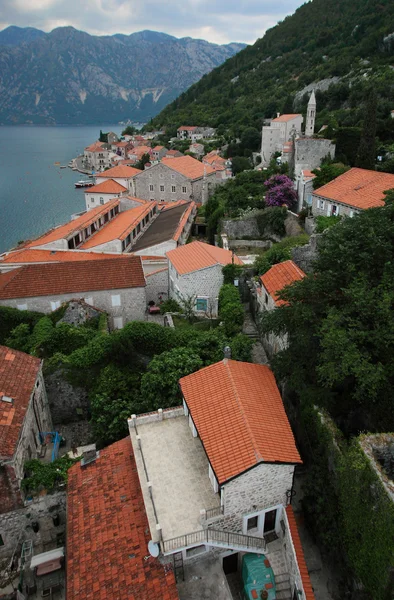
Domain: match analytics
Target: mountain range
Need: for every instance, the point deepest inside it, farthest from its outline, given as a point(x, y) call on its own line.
point(339, 48)
point(70, 77)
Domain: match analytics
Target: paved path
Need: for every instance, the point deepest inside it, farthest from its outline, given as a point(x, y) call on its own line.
point(249, 328)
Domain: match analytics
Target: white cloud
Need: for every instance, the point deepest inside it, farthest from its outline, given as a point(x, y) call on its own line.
point(219, 22)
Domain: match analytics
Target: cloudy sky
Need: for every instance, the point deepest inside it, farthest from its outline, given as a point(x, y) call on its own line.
point(218, 21)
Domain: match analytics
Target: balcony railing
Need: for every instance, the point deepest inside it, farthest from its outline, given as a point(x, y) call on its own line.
point(215, 538)
point(217, 511)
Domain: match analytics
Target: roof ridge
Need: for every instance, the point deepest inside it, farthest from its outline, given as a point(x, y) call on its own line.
point(244, 417)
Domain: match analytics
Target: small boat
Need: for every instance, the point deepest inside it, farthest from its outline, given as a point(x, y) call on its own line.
point(63, 166)
point(57, 163)
point(82, 184)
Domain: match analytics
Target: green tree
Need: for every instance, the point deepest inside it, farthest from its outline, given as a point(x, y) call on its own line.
point(145, 158)
point(129, 130)
point(366, 156)
point(159, 385)
point(239, 164)
point(251, 139)
point(327, 173)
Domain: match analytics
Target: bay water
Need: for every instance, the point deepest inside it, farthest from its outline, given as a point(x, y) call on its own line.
point(35, 194)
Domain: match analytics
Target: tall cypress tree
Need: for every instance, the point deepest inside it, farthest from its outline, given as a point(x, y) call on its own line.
point(367, 149)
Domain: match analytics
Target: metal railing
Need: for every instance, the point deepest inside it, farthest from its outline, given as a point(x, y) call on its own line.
point(217, 511)
point(215, 538)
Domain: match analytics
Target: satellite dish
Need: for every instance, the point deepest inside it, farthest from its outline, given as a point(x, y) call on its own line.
point(154, 549)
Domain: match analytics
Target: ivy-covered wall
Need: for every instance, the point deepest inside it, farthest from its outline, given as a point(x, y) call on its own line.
point(348, 507)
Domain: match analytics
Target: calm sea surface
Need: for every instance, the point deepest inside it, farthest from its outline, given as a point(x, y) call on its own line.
point(35, 194)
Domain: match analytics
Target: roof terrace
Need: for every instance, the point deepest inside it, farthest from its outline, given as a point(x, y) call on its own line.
point(173, 472)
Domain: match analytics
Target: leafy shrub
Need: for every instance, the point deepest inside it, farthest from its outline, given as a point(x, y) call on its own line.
point(12, 317)
point(272, 220)
point(231, 272)
point(241, 347)
point(46, 475)
point(170, 305)
point(323, 223)
point(42, 332)
point(228, 293)
point(279, 253)
point(232, 315)
point(280, 191)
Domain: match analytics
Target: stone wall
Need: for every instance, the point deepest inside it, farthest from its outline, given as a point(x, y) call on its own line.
point(260, 244)
point(305, 256)
point(65, 399)
point(157, 285)
point(132, 303)
point(309, 153)
point(263, 486)
point(240, 228)
point(204, 283)
point(16, 526)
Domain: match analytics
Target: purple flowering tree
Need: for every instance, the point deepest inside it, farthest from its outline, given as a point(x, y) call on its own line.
point(280, 191)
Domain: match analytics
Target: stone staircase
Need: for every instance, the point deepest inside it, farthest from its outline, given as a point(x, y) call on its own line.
point(283, 589)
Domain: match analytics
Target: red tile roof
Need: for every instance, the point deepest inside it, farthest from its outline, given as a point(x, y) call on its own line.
point(239, 414)
point(306, 582)
point(187, 128)
point(108, 533)
point(197, 255)
point(18, 373)
point(188, 166)
point(72, 227)
point(308, 173)
point(158, 148)
point(358, 187)
point(95, 147)
point(279, 276)
point(35, 255)
point(109, 186)
point(119, 227)
point(285, 118)
point(183, 221)
point(120, 171)
point(72, 277)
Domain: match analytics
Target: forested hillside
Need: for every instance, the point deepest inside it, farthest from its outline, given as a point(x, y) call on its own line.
point(338, 47)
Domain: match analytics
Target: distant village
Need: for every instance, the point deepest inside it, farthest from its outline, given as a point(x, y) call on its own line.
point(199, 500)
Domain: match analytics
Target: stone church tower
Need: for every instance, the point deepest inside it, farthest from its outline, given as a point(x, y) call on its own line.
point(310, 116)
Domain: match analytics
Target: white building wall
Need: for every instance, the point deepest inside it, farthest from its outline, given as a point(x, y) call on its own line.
point(205, 283)
point(263, 486)
point(291, 557)
point(92, 200)
point(132, 303)
point(158, 249)
point(274, 343)
point(326, 207)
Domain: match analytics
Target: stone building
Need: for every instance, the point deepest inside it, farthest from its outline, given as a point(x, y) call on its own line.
point(221, 481)
point(195, 270)
point(275, 135)
point(115, 285)
point(177, 178)
point(309, 153)
point(310, 115)
point(31, 256)
point(271, 283)
point(352, 192)
point(97, 156)
point(304, 188)
point(24, 414)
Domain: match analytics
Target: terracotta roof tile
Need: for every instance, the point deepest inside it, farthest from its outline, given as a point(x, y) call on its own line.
point(108, 533)
point(279, 276)
point(187, 128)
point(68, 229)
point(197, 255)
point(120, 171)
point(18, 373)
point(306, 582)
point(124, 271)
point(95, 147)
point(188, 166)
point(36, 255)
point(183, 221)
point(358, 187)
point(285, 118)
point(308, 173)
point(239, 414)
point(119, 227)
point(109, 186)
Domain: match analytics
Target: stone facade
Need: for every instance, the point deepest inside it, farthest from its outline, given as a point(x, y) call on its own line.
point(326, 207)
point(272, 343)
point(304, 187)
point(16, 525)
point(157, 286)
point(239, 228)
point(122, 305)
point(309, 152)
point(262, 487)
point(37, 419)
point(68, 403)
point(204, 284)
point(163, 184)
point(305, 256)
point(276, 134)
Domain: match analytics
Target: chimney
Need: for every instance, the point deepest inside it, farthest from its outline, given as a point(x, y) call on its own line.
point(227, 354)
point(89, 455)
point(277, 115)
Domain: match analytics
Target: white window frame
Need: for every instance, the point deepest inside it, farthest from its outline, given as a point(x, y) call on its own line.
point(116, 300)
point(162, 188)
point(151, 187)
point(118, 322)
point(321, 204)
point(173, 189)
point(206, 298)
